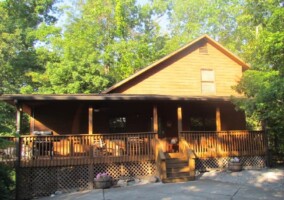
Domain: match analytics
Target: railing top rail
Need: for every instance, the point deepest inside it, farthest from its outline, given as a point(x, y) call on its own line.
point(233, 131)
point(96, 134)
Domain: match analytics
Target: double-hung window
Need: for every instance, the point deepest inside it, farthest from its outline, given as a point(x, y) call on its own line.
point(208, 81)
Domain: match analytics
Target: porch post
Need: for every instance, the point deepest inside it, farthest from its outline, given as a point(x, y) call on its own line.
point(155, 120)
point(90, 132)
point(179, 115)
point(218, 119)
point(18, 147)
point(90, 124)
point(19, 119)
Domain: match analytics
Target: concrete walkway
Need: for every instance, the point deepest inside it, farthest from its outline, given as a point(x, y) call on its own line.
point(195, 190)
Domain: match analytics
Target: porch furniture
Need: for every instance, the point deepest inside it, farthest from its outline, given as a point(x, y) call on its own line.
point(42, 146)
point(101, 149)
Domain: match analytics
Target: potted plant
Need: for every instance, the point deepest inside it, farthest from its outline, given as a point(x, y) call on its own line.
point(103, 181)
point(235, 165)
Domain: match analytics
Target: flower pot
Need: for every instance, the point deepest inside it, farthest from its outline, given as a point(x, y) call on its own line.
point(102, 184)
point(235, 166)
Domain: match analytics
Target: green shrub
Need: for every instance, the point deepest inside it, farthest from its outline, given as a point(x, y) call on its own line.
point(7, 183)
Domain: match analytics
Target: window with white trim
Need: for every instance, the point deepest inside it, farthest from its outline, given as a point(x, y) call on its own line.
point(208, 81)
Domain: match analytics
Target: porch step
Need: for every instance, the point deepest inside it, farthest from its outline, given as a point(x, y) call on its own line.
point(175, 155)
point(177, 169)
point(178, 179)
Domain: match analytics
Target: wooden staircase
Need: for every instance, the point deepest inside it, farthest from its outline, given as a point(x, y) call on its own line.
point(177, 169)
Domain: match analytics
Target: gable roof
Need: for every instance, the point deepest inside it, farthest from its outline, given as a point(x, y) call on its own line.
point(153, 65)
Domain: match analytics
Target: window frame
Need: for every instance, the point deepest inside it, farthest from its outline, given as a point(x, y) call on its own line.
point(208, 79)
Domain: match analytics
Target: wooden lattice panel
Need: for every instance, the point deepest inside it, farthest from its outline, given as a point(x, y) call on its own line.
point(130, 169)
point(72, 178)
point(112, 169)
point(25, 184)
point(36, 182)
point(254, 161)
point(139, 169)
point(214, 163)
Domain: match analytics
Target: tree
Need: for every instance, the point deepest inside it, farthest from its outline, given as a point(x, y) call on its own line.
point(104, 42)
point(23, 24)
point(264, 84)
point(189, 19)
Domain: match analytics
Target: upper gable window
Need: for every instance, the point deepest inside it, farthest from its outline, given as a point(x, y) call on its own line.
point(208, 81)
point(203, 49)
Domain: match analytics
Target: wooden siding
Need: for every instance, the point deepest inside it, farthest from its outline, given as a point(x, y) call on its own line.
point(230, 118)
point(180, 75)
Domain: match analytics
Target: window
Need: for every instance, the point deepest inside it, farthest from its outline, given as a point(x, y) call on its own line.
point(207, 81)
point(117, 125)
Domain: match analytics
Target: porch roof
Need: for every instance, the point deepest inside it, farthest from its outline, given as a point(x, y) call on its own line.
point(14, 98)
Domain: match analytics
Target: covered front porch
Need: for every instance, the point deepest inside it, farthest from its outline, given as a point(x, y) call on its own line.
point(125, 136)
point(110, 128)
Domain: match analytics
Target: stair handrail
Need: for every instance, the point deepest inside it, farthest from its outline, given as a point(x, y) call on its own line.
point(160, 159)
point(190, 155)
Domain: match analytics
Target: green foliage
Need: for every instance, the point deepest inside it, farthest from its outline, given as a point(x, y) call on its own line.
point(105, 42)
point(264, 86)
point(7, 183)
point(23, 25)
point(189, 19)
point(19, 23)
point(7, 119)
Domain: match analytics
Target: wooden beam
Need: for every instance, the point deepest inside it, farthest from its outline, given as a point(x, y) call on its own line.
point(18, 146)
point(155, 119)
point(179, 117)
point(218, 119)
point(90, 124)
point(19, 120)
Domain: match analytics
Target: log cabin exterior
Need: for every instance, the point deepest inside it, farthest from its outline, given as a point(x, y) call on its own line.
point(178, 107)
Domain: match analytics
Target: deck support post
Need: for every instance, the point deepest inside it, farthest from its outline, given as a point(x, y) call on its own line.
point(90, 132)
point(18, 147)
point(91, 176)
point(218, 119)
point(155, 120)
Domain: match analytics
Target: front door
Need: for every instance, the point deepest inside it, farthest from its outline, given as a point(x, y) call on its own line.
point(167, 125)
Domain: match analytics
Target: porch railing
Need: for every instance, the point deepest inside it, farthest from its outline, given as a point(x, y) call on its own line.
point(226, 143)
point(57, 150)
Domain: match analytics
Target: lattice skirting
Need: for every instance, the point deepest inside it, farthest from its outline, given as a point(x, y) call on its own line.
point(130, 169)
point(37, 182)
point(249, 162)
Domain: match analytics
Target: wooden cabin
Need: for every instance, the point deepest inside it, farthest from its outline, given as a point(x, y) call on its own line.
point(175, 112)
